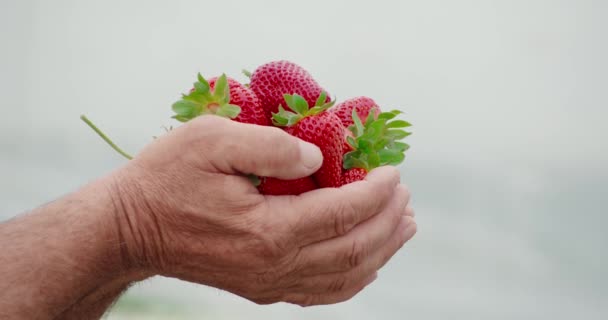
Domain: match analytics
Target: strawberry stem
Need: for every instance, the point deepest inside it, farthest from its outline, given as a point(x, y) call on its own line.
point(105, 138)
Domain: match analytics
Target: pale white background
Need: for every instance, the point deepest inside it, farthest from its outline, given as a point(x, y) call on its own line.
point(508, 165)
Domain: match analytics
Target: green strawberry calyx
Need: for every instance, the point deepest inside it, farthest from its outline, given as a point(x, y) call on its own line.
point(376, 142)
point(300, 109)
point(204, 100)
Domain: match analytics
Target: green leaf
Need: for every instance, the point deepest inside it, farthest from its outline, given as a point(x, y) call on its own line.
point(315, 110)
point(203, 84)
point(221, 90)
point(351, 141)
point(351, 160)
point(373, 160)
point(281, 118)
point(321, 99)
point(293, 119)
point(370, 117)
point(196, 96)
point(397, 134)
point(279, 121)
point(388, 155)
point(229, 111)
point(247, 73)
point(289, 101)
point(398, 124)
point(381, 143)
point(358, 125)
point(181, 118)
point(376, 128)
point(386, 115)
point(401, 146)
point(365, 145)
point(298, 104)
point(200, 88)
point(397, 160)
point(184, 107)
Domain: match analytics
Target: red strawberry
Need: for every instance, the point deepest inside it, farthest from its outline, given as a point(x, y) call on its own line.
point(272, 80)
point(251, 109)
point(363, 105)
point(223, 97)
point(354, 174)
point(317, 126)
point(277, 187)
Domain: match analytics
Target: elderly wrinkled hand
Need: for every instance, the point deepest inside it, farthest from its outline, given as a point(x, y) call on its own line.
point(186, 210)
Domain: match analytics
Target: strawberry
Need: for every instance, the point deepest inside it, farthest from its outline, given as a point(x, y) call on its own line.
point(272, 80)
point(363, 105)
point(374, 144)
point(353, 174)
point(251, 109)
point(317, 126)
point(221, 96)
point(277, 187)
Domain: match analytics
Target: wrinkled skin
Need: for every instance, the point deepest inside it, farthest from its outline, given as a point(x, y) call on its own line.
point(186, 211)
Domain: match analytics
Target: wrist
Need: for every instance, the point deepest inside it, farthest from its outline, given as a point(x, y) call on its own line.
point(134, 225)
point(106, 214)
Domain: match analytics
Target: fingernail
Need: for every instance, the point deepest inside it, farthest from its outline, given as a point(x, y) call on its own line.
point(310, 155)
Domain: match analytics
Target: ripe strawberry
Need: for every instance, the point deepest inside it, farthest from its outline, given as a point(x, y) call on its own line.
point(352, 175)
point(251, 109)
point(317, 126)
point(274, 79)
point(363, 105)
point(221, 96)
point(277, 187)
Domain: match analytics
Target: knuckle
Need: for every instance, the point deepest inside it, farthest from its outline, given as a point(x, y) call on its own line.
point(344, 219)
point(339, 226)
point(404, 193)
point(407, 237)
point(337, 285)
point(394, 173)
point(207, 124)
point(395, 216)
point(355, 255)
point(409, 211)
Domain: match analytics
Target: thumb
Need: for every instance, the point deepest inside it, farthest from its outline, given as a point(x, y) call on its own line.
point(263, 151)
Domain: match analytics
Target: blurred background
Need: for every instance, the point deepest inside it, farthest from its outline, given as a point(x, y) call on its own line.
point(508, 166)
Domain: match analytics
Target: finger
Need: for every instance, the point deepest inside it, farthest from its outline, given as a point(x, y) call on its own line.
point(409, 211)
point(305, 300)
point(395, 243)
point(261, 150)
point(331, 212)
point(340, 281)
point(348, 252)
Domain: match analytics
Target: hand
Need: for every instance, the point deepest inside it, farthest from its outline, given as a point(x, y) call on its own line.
point(187, 211)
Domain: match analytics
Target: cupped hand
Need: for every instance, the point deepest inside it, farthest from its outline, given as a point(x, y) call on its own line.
point(187, 210)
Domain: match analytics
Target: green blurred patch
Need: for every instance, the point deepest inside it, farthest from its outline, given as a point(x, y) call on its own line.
point(135, 306)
